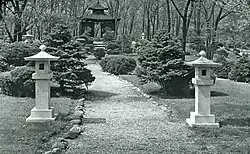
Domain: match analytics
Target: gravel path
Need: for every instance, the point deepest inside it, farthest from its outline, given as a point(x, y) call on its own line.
point(126, 122)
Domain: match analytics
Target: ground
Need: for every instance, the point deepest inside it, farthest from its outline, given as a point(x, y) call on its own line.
point(19, 137)
point(122, 120)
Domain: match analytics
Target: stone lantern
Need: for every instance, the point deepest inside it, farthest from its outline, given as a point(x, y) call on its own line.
point(202, 82)
point(143, 36)
point(42, 111)
point(28, 38)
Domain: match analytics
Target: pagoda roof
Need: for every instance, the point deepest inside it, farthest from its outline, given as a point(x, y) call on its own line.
point(99, 17)
point(42, 56)
point(97, 6)
point(203, 62)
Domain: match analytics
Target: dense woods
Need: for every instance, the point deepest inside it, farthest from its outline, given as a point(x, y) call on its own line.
point(205, 22)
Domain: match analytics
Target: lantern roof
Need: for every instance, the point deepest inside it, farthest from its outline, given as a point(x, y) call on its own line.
point(99, 17)
point(28, 35)
point(97, 6)
point(203, 62)
point(42, 56)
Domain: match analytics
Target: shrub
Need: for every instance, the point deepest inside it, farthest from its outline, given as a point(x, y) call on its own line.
point(165, 66)
point(14, 53)
point(99, 53)
point(125, 43)
point(109, 35)
point(112, 45)
point(118, 64)
point(18, 82)
point(197, 44)
point(240, 71)
point(4, 66)
point(222, 72)
point(58, 36)
point(222, 52)
point(69, 70)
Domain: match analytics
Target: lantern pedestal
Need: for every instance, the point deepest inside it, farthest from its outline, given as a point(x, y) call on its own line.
point(198, 120)
point(41, 115)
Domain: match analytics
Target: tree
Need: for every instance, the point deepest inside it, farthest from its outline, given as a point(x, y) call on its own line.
point(186, 17)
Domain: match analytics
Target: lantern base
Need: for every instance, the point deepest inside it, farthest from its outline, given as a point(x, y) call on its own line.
point(41, 115)
point(198, 120)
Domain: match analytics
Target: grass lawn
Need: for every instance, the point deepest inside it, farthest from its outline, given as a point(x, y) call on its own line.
point(230, 102)
point(17, 136)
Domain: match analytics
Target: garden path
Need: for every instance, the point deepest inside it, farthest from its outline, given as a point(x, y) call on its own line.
point(122, 120)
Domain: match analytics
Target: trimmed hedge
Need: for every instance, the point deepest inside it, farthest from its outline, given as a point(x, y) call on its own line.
point(18, 82)
point(118, 64)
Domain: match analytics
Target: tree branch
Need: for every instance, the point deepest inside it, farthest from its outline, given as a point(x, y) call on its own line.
point(177, 9)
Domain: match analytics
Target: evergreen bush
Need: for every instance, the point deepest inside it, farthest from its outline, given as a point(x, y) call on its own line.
point(118, 64)
point(99, 53)
point(14, 53)
point(69, 70)
point(164, 65)
point(125, 43)
point(241, 70)
point(18, 82)
point(222, 72)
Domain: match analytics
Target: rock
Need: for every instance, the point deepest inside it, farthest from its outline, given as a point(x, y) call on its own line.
point(60, 145)
point(48, 152)
point(78, 115)
point(79, 108)
point(56, 151)
point(39, 151)
point(150, 99)
point(77, 129)
point(70, 135)
point(81, 102)
point(76, 121)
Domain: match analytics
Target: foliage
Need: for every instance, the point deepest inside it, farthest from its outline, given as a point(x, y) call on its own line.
point(222, 52)
point(18, 82)
point(99, 53)
point(112, 45)
point(88, 39)
point(240, 71)
point(118, 64)
point(58, 36)
point(197, 44)
point(109, 36)
point(125, 43)
point(4, 66)
point(14, 53)
point(70, 71)
point(165, 66)
point(142, 45)
point(113, 48)
point(222, 72)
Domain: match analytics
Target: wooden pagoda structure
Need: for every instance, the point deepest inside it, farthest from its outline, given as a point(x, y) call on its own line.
point(97, 16)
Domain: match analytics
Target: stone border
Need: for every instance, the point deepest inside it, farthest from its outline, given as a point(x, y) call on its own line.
point(62, 144)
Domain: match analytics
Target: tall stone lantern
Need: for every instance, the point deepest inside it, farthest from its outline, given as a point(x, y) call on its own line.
point(202, 82)
point(42, 111)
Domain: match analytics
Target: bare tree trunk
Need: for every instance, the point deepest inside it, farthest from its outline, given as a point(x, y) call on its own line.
point(148, 19)
point(143, 17)
point(169, 16)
